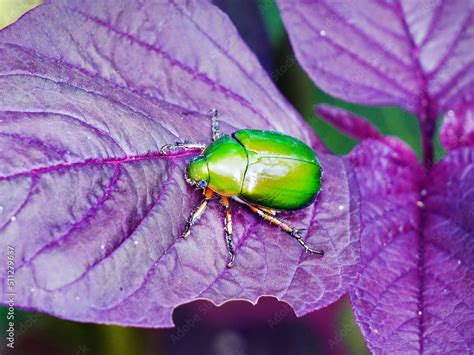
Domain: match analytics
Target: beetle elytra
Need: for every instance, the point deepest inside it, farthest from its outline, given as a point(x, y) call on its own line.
point(265, 170)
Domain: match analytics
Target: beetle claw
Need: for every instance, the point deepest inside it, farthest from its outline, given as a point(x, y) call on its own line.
point(186, 233)
point(184, 146)
point(230, 263)
point(296, 233)
point(315, 251)
point(165, 149)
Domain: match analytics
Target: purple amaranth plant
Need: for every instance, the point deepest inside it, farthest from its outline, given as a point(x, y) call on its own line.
point(89, 92)
point(415, 293)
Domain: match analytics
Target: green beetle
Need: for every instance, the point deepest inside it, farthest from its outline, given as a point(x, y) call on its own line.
point(265, 170)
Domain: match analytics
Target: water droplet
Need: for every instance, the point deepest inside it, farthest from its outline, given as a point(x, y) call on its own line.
point(135, 242)
point(341, 207)
point(420, 313)
point(451, 113)
point(423, 192)
point(420, 204)
point(13, 218)
point(445, 290)
point(376, 331)
point(322, 33)
point(1, 209)
point(32, 289)
point(102, 247)
point(78, 298)
point(459, 261)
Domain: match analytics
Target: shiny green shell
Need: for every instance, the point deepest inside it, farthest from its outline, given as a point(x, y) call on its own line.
point(264, 168)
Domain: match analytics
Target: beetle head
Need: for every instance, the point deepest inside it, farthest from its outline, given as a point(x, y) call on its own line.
point(197, 172)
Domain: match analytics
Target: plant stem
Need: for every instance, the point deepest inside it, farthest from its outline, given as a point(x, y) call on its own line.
point(427, 129)
point(427, 132)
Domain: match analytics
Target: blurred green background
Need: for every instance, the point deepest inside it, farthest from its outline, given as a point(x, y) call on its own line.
point(270, 327)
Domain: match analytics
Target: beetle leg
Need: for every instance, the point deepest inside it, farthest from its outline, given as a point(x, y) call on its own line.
point(295, 233)
point(268, 210)
point(168, 149)
point(216, 133)
point(228, 231)
point(197, 212)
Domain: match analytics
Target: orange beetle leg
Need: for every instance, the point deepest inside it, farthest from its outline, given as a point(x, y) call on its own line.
point(228, 231)
point(197, 212)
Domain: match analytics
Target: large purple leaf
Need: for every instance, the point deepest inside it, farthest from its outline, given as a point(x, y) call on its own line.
point(415, 293)
point(191, 42)
point(88, 93)
point(414, 54)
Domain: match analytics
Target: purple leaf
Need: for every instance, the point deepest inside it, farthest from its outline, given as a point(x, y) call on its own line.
point(458, 126)
point(417, 55)
point(348, 123)
point(415, 293)
point(158, 41)
point(87, 97)
point(416, 290)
